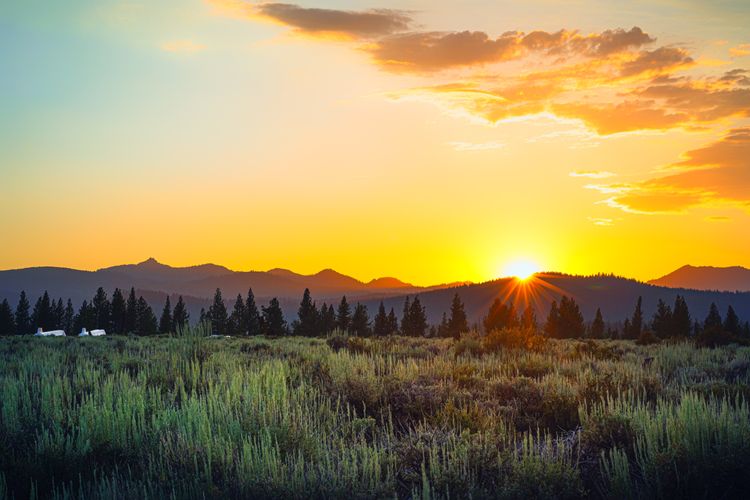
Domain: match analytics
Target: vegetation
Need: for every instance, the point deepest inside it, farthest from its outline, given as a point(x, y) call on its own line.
point(511, 414)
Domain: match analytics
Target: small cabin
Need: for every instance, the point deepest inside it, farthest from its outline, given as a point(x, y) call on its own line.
point(50, 333)
point(98, 333)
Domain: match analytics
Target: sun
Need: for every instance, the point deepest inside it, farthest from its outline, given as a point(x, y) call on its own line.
point(521, 269)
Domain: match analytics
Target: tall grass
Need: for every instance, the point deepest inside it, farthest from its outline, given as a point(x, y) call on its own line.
point(190, 416)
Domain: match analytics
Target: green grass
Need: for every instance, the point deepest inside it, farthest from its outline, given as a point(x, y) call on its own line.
point(192, 417)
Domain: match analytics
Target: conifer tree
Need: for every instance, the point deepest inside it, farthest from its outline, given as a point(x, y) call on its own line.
point(273, 319)
point(597, 326)
point(418, 318)
point(180, 317)
point(307, 314)
point(636, 323)
point(118, 312)
point(7, 321)
point(442, 329)
point(327, 319)
point(553, 321)
point(681, 321)
point(146, 323)
point(457, 322)
point(360, 321)
point(69, 318)
point(165, 321)
point(392, 323)
point(41, 317)
point(237, 324)
point(100, 309)
point(58, 313)
point(252, 322)
point(203, 317)
point(84, 318)
point(217, 314)
point(406, 323)
point(661, 324)
point(713, 320)
point(500, 315)
point(131, 312)
point(528, 318)
point(343, 315)
point(732, 322)
point(22, 317)
point(380, 323)
point(570, 321)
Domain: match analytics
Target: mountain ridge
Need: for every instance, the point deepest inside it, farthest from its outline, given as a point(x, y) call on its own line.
point(730, 278)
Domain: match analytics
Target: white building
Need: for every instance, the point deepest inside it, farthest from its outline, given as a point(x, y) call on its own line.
point(98, 333)
point(50, 333)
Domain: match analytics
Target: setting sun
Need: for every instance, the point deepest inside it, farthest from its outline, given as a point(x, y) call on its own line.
point(521, 269)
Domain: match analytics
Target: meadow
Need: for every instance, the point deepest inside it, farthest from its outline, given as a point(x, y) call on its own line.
point(195, 417)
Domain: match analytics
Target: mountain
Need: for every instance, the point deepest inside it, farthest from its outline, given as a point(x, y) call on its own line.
point(155, 279)
point(729, 279)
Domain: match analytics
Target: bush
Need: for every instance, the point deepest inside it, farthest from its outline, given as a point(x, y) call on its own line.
point(647, 337)
point(512, 338)
point(715, 337)
point(468, 345)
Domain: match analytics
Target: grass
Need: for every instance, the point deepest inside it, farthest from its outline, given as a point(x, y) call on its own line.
point(193, 417)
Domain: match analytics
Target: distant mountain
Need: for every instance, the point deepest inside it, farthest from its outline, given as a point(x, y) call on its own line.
point(730, 279)
point(154, 279)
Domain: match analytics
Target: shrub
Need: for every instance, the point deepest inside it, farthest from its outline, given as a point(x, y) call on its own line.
point(647, 337)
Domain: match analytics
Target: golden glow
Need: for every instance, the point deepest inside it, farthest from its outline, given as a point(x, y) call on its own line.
point(521, 269)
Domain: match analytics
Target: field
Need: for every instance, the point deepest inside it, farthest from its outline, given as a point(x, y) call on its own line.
point(193, 417)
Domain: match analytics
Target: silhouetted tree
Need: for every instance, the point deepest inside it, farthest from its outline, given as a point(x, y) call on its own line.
point(553, 321)
point(343, 315)
point(636, 323)
point(237, 322)
point(442, 329)
point(713, 320)
point(662, 322)
point(217, 314)
point(307, 317)
point(252, 322)
point(732, 322)
point(392, 323)
point(84, 318)
point(570, 321)
point(118, 312)
point(68, 321)
point(380, 323)
point(327, 319)
point(597, 326)
point(146, 319)
point(7, 321)
point(131, 312)
point(22, 317)
point(360, 321)
point(681, 321)
point(180, 317)
point(528, 318)
point(417, 318)
point(406, 328)
point(101, 309)
point(457, 322)
point(273, 319)
point(165, 321)
point(500, 315)
point(41, 317)
point(58, 315)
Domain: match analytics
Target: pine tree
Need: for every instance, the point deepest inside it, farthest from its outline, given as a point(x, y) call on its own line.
point(343, 315)
point(418, 318)
point(131, 312)
point(732, 322)
point(146, 319)
point(101, 309)
point(597, 326)
point(307, 314)
point(203, 317)
point(457, 323)
point(217, 314)
point(442, 329)
point(84, 318)
point(252, 322)
point(528, 318)
point(180, 317)
point(380, 323)
point(570, 322)
point(500, 315)
point(23, 319)
point(7, 321)
point(713, 320)
point(165, 321)
point(237, 324)
point(661, 324)
point(681, 321)
point(553, 321)
point(68, 324)
point(327, 319)
point(360, 321)
point(273, 319)
point(406, 328)
point(117, 312)
point(41, 317)
point(636, 323)
point(392, 323)
point(58, 313)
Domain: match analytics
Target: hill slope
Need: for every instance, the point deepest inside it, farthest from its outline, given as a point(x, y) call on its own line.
point(707, 278)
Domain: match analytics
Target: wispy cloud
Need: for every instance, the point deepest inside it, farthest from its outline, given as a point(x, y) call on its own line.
point(476, 146)
point(592, 174)
point(182, 46)
point(740, 50)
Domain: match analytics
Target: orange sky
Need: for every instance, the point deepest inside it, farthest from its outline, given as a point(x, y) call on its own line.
point(433, 141)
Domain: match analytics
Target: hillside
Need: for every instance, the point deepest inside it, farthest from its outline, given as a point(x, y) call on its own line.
point(730, 279)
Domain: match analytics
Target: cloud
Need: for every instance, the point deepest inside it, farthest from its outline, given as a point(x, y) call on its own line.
point(182, 46)
point(476, 146)
point(656, 61)
point(602, 221)
point(592, 174)
point(627, 116)
point(362, 24)
point(740, 50)
point(717, 174)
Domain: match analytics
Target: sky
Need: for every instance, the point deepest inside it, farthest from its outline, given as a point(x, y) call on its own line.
point(429, 140)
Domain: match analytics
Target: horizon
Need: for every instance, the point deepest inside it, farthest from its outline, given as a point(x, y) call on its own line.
point(438, 142)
